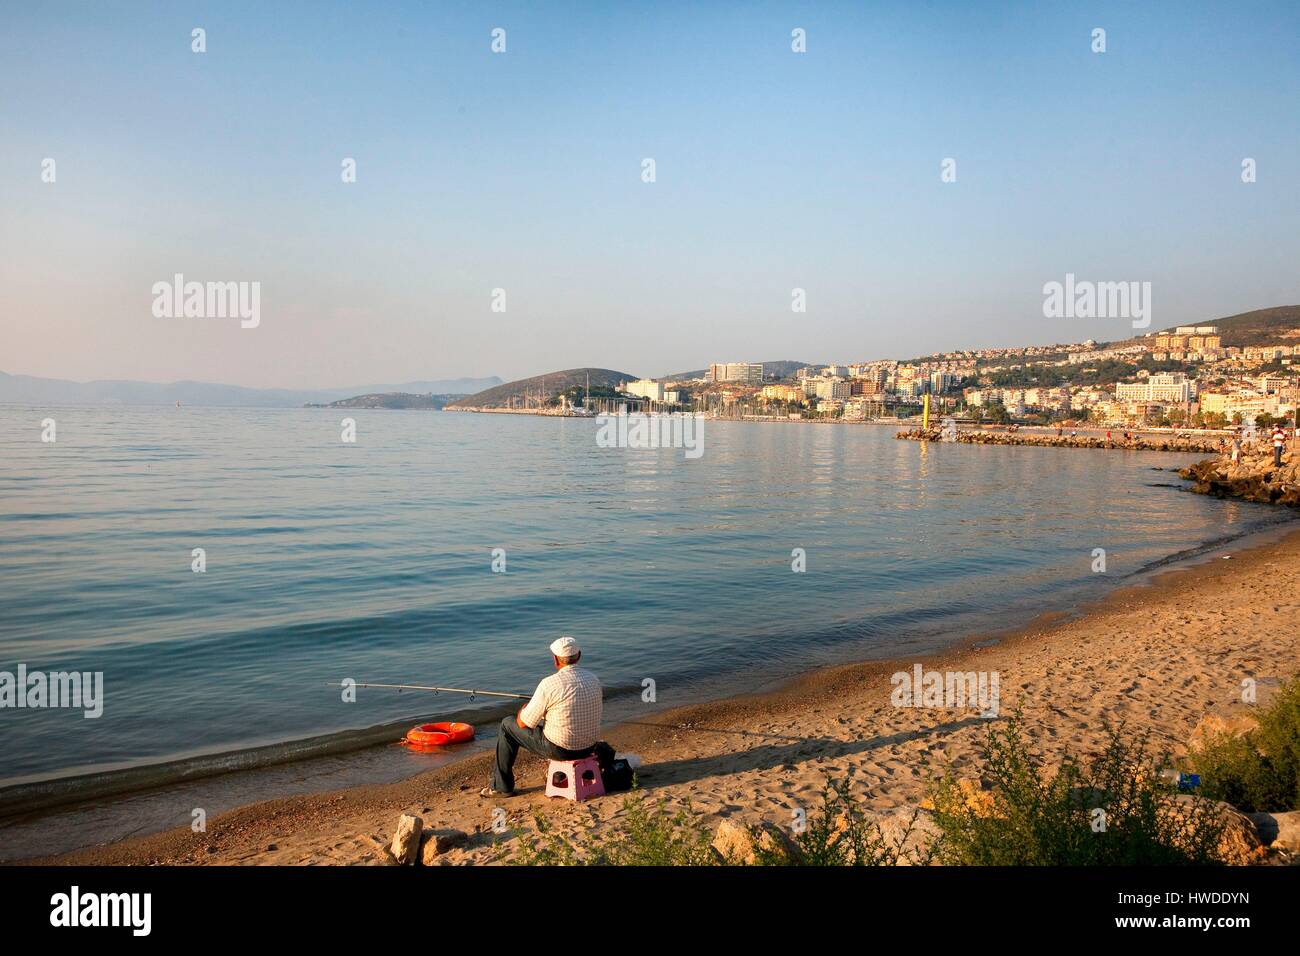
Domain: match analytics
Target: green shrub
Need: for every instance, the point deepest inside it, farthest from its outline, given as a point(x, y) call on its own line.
point(649, 836)
point(1261, 770)
point(653, 837)
point(1032, 819)
point(548, 849)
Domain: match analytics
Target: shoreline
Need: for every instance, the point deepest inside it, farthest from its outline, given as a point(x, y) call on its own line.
point(231, 779)
point(351, 825)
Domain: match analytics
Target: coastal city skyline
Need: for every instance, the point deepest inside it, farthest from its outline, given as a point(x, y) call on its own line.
point(1240, 371)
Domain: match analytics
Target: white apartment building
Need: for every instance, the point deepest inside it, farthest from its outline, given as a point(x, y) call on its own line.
point(1267, 353)
point(646, 388)
point(832, 389)
point(1166, 387)
point(1082, 358)
point(1248, 405)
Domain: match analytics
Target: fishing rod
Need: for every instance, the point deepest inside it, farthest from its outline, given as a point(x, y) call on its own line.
point(450, 690)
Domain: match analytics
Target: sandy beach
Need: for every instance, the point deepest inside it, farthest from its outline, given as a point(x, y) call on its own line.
point(1157, 657)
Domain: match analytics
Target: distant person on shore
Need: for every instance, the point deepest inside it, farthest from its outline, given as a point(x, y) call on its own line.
point(1279, 442)
point(560, 722)
point(1236, 446)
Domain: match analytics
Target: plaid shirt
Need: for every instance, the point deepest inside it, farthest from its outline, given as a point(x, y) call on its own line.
point(570, 703)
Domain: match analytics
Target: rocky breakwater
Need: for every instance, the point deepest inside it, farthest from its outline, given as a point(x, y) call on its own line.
point(1253, 478)
point(1177, 443)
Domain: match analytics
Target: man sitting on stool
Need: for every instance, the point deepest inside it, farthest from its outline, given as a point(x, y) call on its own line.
point(560, 722)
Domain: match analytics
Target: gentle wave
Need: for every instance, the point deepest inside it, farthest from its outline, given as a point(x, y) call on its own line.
point(373, 561)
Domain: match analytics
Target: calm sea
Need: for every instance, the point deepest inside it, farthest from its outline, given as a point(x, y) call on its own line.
point(374, 561)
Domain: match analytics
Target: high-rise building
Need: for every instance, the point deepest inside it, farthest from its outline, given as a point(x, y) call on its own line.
point(941, 382)
point(746, 373)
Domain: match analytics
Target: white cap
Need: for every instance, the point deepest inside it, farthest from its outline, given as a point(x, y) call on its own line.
point(564, 646)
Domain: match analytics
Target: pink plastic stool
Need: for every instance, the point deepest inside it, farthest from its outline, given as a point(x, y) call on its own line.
point(574, 779)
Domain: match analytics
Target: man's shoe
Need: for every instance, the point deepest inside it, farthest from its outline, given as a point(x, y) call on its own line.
point(489, 792)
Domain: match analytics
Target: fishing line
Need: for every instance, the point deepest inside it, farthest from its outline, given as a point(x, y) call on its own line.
point(450, 690)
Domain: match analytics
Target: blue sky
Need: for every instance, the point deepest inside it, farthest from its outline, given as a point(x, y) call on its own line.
point(521, 171)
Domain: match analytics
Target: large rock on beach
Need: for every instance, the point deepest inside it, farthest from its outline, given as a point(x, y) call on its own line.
point(434, 843)
point(1240, 843)
point(1280, 831)
point(908, 832)
point(732, 842)
point(1220, 725)
point(405, 847)
point(1252, 478)
point(737, 843)
point(972, 792)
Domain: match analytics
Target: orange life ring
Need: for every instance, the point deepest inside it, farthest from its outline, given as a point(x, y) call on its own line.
point(439, 734)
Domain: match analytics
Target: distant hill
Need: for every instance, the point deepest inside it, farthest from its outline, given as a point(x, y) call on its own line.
point(397, 400)
point(1257, 327)
point(29, 389)
point(541, 386)
point(781, 369)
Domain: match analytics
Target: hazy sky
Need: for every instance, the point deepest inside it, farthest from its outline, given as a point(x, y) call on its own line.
point(522, 171)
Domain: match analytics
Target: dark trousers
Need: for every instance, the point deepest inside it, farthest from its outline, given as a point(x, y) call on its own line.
point(511, 738)
point(1277, 456)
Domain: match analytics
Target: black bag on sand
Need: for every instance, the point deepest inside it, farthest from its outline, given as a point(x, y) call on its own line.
point(615, 774)
point(619, 776)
